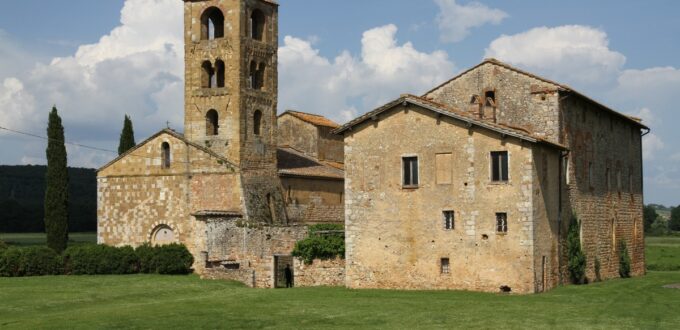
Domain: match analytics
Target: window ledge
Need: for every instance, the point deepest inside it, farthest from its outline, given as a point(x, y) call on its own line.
point(499, 183)
point(499, 233)
point(410, 187)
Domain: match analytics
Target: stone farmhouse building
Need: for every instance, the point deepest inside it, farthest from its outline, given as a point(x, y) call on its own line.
point(225, 188)
point(472, 185)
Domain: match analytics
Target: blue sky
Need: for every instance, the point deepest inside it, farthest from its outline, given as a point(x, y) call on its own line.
point(97, 60)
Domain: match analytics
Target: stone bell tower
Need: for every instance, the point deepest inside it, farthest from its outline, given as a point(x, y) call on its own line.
point(231, 79)
point(231, 93)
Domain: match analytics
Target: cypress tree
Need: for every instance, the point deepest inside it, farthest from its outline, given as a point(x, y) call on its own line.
point(127, 137)
point(577, 259)
point(56, 190)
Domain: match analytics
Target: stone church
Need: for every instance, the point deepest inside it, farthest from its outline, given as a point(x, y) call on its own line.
point(230, 188)
point(469, 186)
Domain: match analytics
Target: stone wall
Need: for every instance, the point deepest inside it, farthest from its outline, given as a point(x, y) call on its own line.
point(299, 135)
point(319, 273)
point(311, 201)
point(395, 236)
point(245, 276)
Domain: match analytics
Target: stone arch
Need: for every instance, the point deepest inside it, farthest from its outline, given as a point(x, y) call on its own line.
point(257, 23)
point(208, 78)
point(212, 24)
point(162, 235)
point(219, 74)
point(212, 123)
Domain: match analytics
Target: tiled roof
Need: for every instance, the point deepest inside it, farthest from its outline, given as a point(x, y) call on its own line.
point(296, 164)
point(560, 86)
point(217, 213)
point(518, 132)
point(313, 119)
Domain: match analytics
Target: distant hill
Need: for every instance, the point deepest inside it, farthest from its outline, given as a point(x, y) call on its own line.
point(22, 192)
point(663, 211)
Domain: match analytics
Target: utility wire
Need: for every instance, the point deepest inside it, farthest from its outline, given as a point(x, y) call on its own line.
point(76, 144)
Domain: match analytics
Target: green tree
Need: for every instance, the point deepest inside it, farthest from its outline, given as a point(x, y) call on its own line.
point(674, 223)
point(56, 182)
point(649, 215)
point(624, 260)
point(577, 259)
point(127, 136)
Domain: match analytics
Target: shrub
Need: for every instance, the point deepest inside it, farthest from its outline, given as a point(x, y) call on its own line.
point(11, 264)
point(3, 246)
point(41, 261)
point(145, 254)
point(658, 228)
point(577, 259)
point(172, 259)
point(321, 246)
point(93, 259)
point(624, 260)
point(598, 266)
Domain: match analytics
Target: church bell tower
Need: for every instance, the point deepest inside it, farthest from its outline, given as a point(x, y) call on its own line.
point(231, 79)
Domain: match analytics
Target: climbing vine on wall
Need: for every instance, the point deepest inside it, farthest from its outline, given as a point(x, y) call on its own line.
point(325, 241)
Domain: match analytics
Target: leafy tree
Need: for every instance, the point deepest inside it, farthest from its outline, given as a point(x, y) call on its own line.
point(624, 260)
point(577, 259)
point(127, 136)
point(674, 223)
point(649, 215)
point(325, 241)
point(56, 182)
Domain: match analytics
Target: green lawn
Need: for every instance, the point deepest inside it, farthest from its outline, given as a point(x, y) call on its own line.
point(662, 253)
point(149, 301)
point(28, 239)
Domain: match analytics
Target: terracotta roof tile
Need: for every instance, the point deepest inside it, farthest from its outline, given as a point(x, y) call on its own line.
point(294, 163)
point(313, 119)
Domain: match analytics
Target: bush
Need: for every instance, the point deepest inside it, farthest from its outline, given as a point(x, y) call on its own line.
point(598, 267)
point(11, 264)
point(172, 259)
point(658, 228)
point(41, 261)
point(3, 246)
point(624, 260)
point(145, 254)
point(321, 246)
point(577, 259)
point(93, 259)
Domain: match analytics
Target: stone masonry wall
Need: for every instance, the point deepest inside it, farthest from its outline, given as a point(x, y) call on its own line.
point(319, 273)
point(395, 236)
point(310, 201)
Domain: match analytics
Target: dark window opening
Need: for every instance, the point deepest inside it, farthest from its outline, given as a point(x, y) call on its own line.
point(257, 74)
point(208, 78)
point(257, 122)
point(165, 155)
point(499, 166)
point(257, 25)
point(501, 222)
point(445, 267)
point(449, 220)
point(490, 99)
point(410, 168)
point(211, 123)
point(212, 24)
point(219, 76)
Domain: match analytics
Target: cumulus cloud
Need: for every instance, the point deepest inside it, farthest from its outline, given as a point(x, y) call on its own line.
point(651, 144)
point(455, 21)
point(571, 53)
point(338, 87)
point(136, 69)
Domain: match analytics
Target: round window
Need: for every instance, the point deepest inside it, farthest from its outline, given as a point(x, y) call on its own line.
point(163, 235)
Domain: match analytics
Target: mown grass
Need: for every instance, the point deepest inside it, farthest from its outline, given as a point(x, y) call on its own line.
point(32, 239)
point(662, 253)
point(148, 301)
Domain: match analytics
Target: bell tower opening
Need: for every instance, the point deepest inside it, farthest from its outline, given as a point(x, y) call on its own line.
point(212, 24)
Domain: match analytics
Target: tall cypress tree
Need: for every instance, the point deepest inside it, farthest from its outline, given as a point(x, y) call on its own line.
point(127, 137)
point(56, 190)
point(577, 259)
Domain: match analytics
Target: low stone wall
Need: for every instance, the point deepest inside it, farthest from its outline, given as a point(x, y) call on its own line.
point(245, 276)
point(320, 273)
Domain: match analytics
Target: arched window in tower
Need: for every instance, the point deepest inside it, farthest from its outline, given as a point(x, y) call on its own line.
point(257, 25)
point(165, 155)
point(212, 24)
point(260, 76)
point(211, 123)
point(208, 78)
point(219, 76)
point(252, 73)
point(257, 122)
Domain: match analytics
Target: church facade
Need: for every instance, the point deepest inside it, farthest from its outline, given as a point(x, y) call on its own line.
point(225, 188)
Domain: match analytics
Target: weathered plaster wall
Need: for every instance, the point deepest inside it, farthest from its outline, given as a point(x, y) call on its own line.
point(331, 146)
point(312, 201)
point(395, 236)
point(299, 135)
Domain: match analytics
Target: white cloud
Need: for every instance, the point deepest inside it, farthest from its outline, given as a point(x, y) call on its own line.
point(647, 116)
point(136, 69)
point(337, 88)
point(571, 53)
point(651, 144)
point(455, 21)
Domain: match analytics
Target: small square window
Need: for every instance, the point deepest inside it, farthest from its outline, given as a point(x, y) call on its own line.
point(501, 222)
point(410, 169)
point(499, 166)
point(444, 266)
point(449, 220)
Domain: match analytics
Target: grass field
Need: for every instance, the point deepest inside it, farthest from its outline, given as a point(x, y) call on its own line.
point(29, 239)
point(149, 301)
